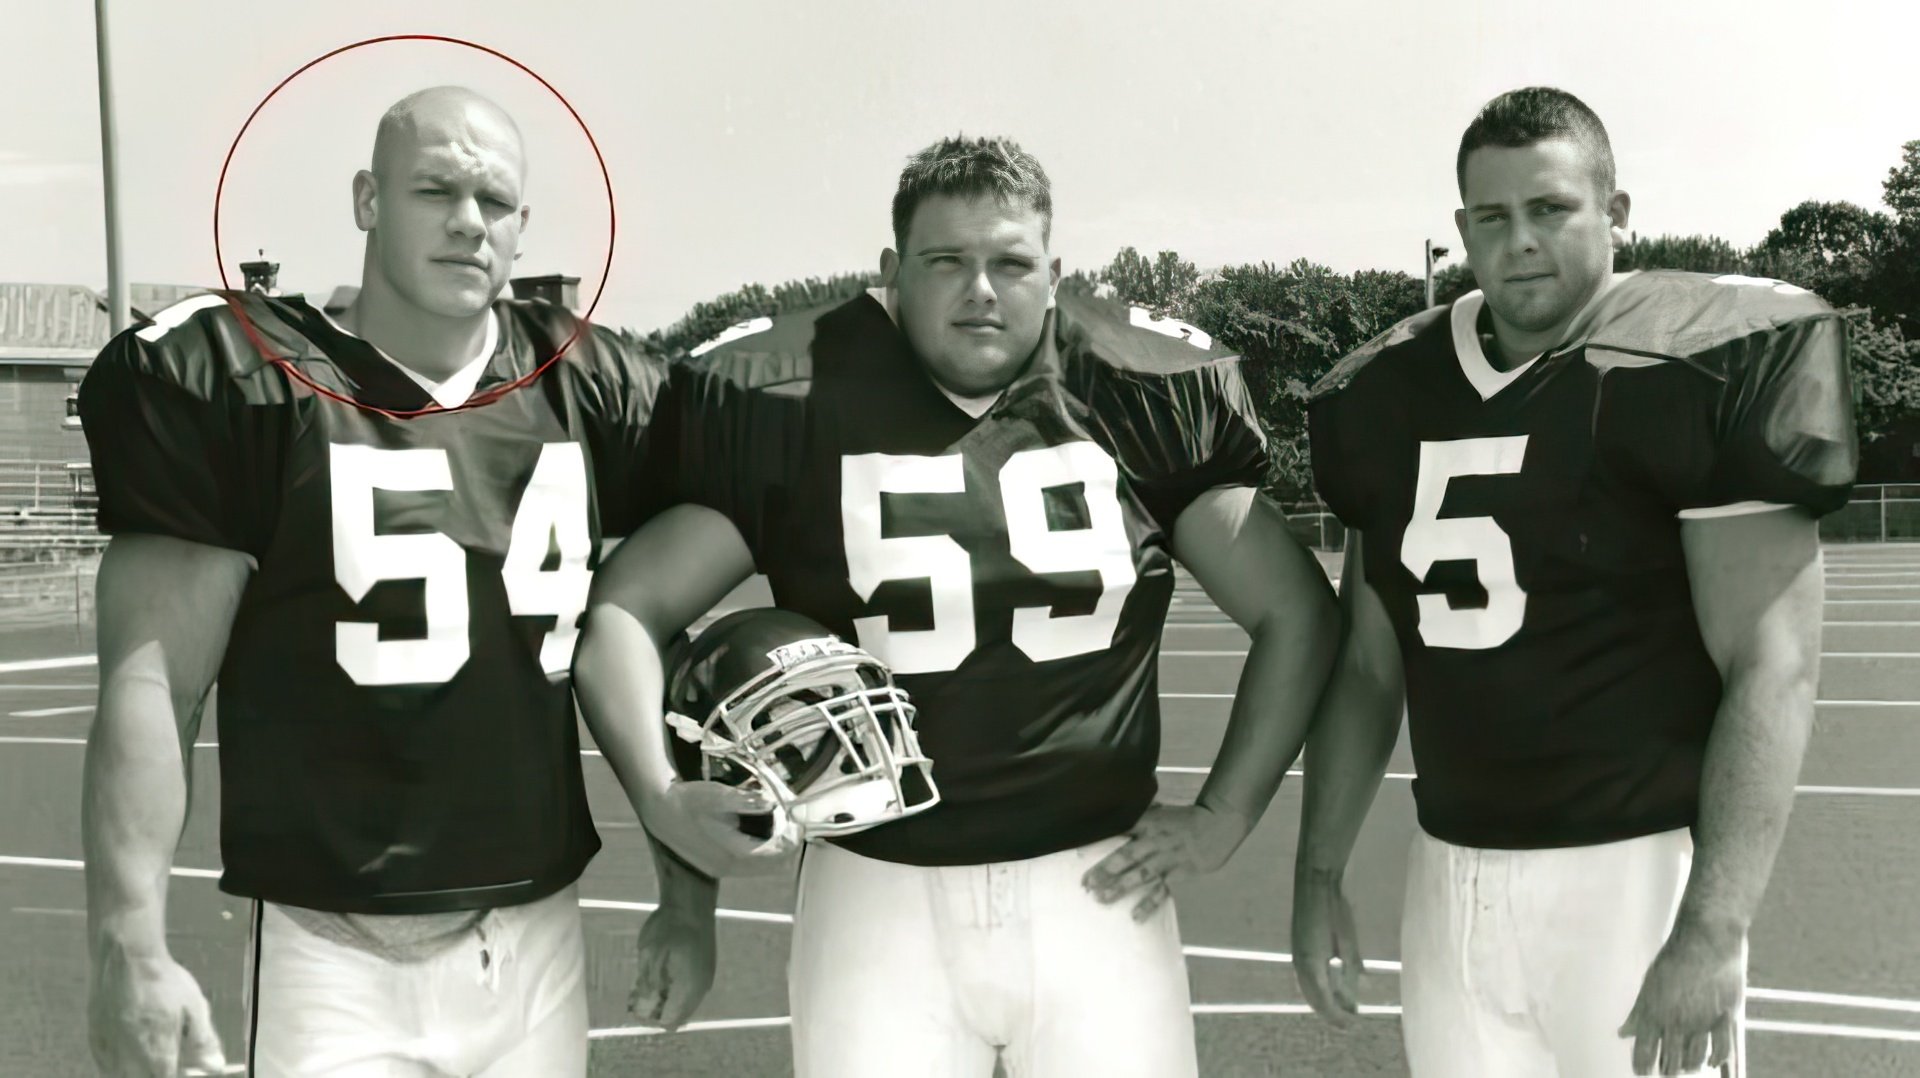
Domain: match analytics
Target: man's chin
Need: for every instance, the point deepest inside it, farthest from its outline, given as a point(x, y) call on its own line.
point(465, 303)
point(1537, 315)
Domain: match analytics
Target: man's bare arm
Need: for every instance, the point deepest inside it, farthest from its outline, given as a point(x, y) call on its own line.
point(1355, 728)
point(165, 608)
point(1237, 546)
point(1757, 592)
point(658, 581)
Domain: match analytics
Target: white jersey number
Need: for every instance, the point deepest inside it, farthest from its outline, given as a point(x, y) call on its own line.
point(873, 559)
point(552, 515)
point(1430, 538)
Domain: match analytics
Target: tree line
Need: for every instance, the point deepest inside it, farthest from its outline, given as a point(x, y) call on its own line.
point(1292, 323)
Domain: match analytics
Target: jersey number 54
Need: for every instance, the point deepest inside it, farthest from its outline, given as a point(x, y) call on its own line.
point(552, 513)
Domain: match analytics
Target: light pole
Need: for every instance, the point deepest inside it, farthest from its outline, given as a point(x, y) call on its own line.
point(1434, 254)
point(110, 175)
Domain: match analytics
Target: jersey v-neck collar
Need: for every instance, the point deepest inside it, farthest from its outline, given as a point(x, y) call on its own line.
point(1486, 379)
point(458, 387)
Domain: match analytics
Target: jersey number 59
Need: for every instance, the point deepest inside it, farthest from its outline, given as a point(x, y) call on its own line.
point(552, 513)
point(873, 559)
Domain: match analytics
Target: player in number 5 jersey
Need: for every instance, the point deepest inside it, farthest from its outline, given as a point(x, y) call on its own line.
point(1583, 542)
point(983, 484)
point(387, 587)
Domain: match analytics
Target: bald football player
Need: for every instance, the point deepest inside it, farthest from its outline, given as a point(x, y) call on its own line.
point(1584, 552)
point(984, 482)
point(377, 535)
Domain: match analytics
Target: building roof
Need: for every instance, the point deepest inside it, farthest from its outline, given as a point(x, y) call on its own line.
point(50, 319)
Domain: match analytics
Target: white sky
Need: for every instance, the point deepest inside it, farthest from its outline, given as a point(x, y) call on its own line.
point(761, 140)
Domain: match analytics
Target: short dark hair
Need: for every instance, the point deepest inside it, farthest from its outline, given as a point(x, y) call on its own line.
point(1536, 114)
point(968, 168)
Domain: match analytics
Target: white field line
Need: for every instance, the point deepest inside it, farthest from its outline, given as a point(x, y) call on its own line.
point(1831, 999)
point(1167, 769)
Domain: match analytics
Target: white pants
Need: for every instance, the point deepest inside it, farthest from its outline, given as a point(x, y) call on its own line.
point(1524, 963)
point(900, 971)
point(509, 999)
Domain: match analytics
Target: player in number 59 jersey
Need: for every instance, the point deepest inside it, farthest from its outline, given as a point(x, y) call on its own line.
point(1582, 511)
point(983, 484)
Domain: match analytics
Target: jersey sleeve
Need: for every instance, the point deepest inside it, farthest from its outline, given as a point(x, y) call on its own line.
point(1771, 424)
point(1338, 467)
point(632, 472)
point(1338, 409)
point(1185, 432)
point(168, 436)
point(1785, 424)
point(726, 443)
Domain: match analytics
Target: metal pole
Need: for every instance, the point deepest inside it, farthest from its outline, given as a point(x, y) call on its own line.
point(1429, 244)
point(1883, 513)
point(110, 174)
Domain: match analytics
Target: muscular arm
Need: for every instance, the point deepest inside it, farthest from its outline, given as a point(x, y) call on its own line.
point(165, 608)
point(1354, 728)
point(1237, 546)
point(656, 584)
point(1757, 592)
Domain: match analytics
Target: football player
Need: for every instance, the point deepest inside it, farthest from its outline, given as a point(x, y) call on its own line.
point(377, 534)
point(983, 482)
point(1584, 550)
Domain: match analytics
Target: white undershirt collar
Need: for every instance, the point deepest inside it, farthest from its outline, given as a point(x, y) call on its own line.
point(1487, 379)
point(459, 386)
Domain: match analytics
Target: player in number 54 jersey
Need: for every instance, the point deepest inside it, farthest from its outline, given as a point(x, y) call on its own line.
point(1582, 510)
point(378, 533)
point(983, 484)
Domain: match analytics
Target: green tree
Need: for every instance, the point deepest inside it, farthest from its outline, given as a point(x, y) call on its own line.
point(1697, 254)
point(1451, 282)
point(1886, 375)
point(1832, 232)
point(1161, 285)
point(1902, 186)
point(708, 319)
point(1291, 325)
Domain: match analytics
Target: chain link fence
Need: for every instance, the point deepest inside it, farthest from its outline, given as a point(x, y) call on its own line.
point(49, 550)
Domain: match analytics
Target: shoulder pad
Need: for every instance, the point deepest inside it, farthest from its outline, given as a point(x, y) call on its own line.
point(761, 352)
point(218, 335)
point(1673, 314)
point(1111, 333)
point(1398, 334)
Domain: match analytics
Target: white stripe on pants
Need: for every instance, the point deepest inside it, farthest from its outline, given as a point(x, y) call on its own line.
point(902, 971)
point(1524, 963)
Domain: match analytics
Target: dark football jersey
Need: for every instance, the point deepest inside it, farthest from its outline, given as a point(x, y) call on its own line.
point(1013, 570)
point(1522, 529)
point(397, 733)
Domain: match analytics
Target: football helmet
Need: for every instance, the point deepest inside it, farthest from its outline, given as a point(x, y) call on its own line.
point(775, 702)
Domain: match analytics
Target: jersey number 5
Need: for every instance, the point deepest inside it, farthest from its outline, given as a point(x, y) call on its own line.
point(553, 512)
point(873, 559)
point(1431, 538)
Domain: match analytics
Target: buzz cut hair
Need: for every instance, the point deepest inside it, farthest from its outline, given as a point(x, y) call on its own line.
point(1536, 114)
point(970, 168)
